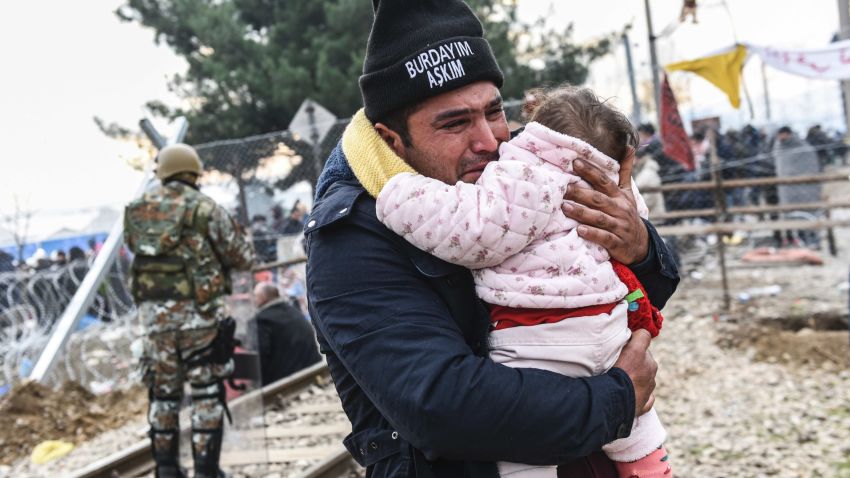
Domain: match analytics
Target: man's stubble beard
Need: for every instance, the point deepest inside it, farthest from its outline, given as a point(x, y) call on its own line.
point(423, 163)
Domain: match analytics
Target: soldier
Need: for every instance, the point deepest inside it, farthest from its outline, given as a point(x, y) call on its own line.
point(184, 246)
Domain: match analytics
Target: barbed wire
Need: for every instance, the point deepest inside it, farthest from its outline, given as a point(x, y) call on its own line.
point(30, 304)
point(267, 181)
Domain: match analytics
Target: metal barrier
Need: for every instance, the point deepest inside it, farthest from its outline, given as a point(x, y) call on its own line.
point(722, 214)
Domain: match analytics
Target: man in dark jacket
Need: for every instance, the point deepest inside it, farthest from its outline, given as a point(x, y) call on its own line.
point(670, 170)
point(286, 340)
point(292, 224)
point(265, 241)
point(404, 334)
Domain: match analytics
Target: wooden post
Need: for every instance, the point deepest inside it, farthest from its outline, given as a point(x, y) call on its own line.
point(766, 92)
point(653, 61)
point(844, 33)
point(830, 237)
point(720, 214)
point(636, 114)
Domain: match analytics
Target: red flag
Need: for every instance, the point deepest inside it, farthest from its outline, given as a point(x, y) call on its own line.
point(673, 135)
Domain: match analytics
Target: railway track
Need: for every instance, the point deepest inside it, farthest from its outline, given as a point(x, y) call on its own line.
point(297, 434)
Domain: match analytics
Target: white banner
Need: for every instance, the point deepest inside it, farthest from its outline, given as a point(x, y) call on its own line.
point(829, 63)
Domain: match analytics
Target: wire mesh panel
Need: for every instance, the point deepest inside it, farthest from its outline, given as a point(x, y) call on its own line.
point(30, 304)
point(267, 182)
point(753, 205)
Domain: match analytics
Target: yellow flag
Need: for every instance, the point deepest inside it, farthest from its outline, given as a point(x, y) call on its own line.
point(723, 71)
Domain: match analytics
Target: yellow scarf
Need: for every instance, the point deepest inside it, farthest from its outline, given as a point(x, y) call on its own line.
point(369, 156)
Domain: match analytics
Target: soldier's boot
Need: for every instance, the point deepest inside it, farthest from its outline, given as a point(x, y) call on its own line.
point(166, 454)
point(169, 471)
point(206, 451)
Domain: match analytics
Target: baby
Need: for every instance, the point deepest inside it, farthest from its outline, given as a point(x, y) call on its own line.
point(557, 301)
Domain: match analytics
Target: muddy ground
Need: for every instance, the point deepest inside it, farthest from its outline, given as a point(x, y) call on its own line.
point(32, 413)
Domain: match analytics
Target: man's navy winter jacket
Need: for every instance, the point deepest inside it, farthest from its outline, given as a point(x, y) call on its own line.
point(406, 342)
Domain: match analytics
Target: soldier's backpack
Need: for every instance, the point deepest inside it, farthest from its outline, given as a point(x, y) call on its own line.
point(162, 267)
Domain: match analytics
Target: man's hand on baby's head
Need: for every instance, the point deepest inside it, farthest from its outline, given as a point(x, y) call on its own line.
point(608, 212)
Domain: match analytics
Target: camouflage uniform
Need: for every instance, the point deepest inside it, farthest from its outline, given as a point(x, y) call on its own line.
point(184, 246)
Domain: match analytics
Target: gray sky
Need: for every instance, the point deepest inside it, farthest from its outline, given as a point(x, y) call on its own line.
point(779, 23)
point(66, 62)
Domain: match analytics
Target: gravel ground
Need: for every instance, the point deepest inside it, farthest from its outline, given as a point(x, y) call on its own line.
point(735, 405)
point(756, 391)
point(727, 415)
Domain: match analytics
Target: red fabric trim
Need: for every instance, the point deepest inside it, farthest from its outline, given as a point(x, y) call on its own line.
point(645, 317)
point(507, 317)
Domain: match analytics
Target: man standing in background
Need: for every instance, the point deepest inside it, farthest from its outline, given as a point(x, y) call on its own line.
point(184, 247)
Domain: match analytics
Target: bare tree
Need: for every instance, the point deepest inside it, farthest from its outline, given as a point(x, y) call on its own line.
point(17, 225)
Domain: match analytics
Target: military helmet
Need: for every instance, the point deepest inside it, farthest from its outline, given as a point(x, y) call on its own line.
point(178, 158)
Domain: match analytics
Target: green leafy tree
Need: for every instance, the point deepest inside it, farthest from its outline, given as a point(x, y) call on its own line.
point(252, 62)
point(533, 55)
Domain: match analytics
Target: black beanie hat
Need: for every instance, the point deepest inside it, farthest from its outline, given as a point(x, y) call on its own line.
point(422, 48)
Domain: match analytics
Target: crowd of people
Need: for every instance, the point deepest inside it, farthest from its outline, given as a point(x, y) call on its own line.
point(747, 153)
point(264, 233)
point(41, 260)
point(36, 291)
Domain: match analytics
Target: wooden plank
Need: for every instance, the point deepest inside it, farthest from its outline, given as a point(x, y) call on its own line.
point(314, 430)
point(340, 464)
point(298, 431)
point(809, 206)
point(743, 183)
point(281, 455)
point(730, 227)
point(314, 408)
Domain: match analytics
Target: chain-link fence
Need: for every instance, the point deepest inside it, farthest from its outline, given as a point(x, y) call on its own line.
point(730, 209)
point(267, 182)
point(263, 179)
point(750, 211)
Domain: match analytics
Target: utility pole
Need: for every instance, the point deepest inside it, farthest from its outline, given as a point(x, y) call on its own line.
point(653, 59)
point(766, 93)
point(843, 34)
point(722, 214)
point(315, 139)
point(636, 115)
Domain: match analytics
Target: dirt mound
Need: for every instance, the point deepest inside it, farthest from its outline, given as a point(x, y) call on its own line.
point(802, 347)
point(32, 413)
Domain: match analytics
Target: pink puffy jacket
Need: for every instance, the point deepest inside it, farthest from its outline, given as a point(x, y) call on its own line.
point(508, 227)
